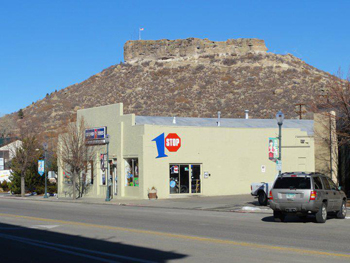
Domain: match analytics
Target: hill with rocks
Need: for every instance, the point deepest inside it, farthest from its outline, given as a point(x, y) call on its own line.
point(189, 77)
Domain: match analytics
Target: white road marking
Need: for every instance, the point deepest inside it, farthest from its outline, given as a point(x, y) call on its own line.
point(348, 217)
point(44, 226)
point(50, 245)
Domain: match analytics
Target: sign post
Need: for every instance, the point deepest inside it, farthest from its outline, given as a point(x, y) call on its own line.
point(108, 181)
point(45, 146)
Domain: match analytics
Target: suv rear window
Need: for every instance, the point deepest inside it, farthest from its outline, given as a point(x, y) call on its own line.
point(292, 183)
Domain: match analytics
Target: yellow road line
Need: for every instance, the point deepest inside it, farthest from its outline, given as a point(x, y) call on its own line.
point(201, 239)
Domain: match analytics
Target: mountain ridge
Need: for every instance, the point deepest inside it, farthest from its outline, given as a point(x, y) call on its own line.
point(196, 85)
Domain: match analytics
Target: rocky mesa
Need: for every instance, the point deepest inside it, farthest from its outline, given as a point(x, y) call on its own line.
point(185, 77)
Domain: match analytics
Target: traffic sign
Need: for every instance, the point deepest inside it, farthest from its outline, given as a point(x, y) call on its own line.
point(41, 167)
point(279, 165)
point(172, 142)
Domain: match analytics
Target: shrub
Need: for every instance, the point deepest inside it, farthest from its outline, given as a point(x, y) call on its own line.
point(4, 186)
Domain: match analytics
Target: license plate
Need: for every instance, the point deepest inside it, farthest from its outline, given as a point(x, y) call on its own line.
point(290, 196)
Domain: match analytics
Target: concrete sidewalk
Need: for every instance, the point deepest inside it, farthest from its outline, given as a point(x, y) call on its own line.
point(234, 203)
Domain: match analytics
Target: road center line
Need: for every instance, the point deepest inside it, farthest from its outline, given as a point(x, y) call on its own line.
point(179, 236)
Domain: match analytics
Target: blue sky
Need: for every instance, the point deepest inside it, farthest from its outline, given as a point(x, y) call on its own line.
point(50, 44)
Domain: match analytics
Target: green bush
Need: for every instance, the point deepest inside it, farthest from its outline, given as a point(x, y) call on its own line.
point(4, 186)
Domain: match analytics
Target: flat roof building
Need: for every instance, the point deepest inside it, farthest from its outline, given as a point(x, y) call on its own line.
point(190, 156)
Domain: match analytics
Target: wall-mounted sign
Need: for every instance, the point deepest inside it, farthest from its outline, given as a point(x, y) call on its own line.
point(96, 136)
point(206, 175)
point(273, 149)
point(172, 142)
point(263, 168)
point(41, 167)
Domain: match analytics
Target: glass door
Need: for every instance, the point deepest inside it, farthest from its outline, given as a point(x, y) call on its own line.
point(174, 178)
point(195, 179)
point(180, 181)
point(184, 179)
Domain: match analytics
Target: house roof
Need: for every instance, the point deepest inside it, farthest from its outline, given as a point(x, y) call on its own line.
point(304, 125)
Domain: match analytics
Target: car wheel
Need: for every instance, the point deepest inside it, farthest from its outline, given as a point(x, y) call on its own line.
point(262, 198)
point(279, 216)
point(342, 212)
point(321, 215)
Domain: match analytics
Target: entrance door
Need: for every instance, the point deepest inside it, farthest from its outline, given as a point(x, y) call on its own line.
point(180, 180)
point(184, 179)
point(195, 179)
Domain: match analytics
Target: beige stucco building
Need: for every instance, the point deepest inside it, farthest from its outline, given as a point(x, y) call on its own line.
point(199, 156)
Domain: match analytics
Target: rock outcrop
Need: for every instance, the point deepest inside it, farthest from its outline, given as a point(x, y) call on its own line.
point(188, 48)
point(176, 78)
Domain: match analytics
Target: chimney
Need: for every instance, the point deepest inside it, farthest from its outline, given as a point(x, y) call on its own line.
point(246, 114)
point(219, 115)
point(174, 120)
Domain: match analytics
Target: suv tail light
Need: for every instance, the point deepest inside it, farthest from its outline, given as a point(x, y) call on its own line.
point(270, 195)
point(313, 195)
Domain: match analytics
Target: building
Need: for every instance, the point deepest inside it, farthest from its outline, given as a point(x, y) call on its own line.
point(7, 152)
point(190, 156)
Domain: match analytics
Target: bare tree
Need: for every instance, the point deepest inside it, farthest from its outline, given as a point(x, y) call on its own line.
point(334, 107)
point(25, 155)
point(8, 126)
point(74, 155)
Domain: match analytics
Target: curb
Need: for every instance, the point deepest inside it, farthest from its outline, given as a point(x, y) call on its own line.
point(239, 210)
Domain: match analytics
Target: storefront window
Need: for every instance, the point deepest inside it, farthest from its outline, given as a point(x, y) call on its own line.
point(184, 177)
point(132, 171)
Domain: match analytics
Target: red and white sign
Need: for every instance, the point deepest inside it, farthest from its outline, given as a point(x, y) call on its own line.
point(176, 169)
point(172, 142)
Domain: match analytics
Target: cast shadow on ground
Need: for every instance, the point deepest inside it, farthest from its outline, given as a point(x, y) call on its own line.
point(294, 219)
point(21, 244)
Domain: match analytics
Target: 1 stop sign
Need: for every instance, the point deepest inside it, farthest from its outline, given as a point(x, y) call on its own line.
point(172, 142)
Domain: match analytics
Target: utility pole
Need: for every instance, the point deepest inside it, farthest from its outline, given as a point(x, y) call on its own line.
point(300, 111)
point(280, 119)
point(45, 168)
point(108, 198)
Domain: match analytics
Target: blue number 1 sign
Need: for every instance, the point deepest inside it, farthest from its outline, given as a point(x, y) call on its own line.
point(160, 146)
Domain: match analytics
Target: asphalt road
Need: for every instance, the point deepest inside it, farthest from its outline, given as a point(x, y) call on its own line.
point(34, 231)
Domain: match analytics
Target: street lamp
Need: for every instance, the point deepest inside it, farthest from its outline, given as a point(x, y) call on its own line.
point(45, 146)
point(108, 198)
point(280, 119)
